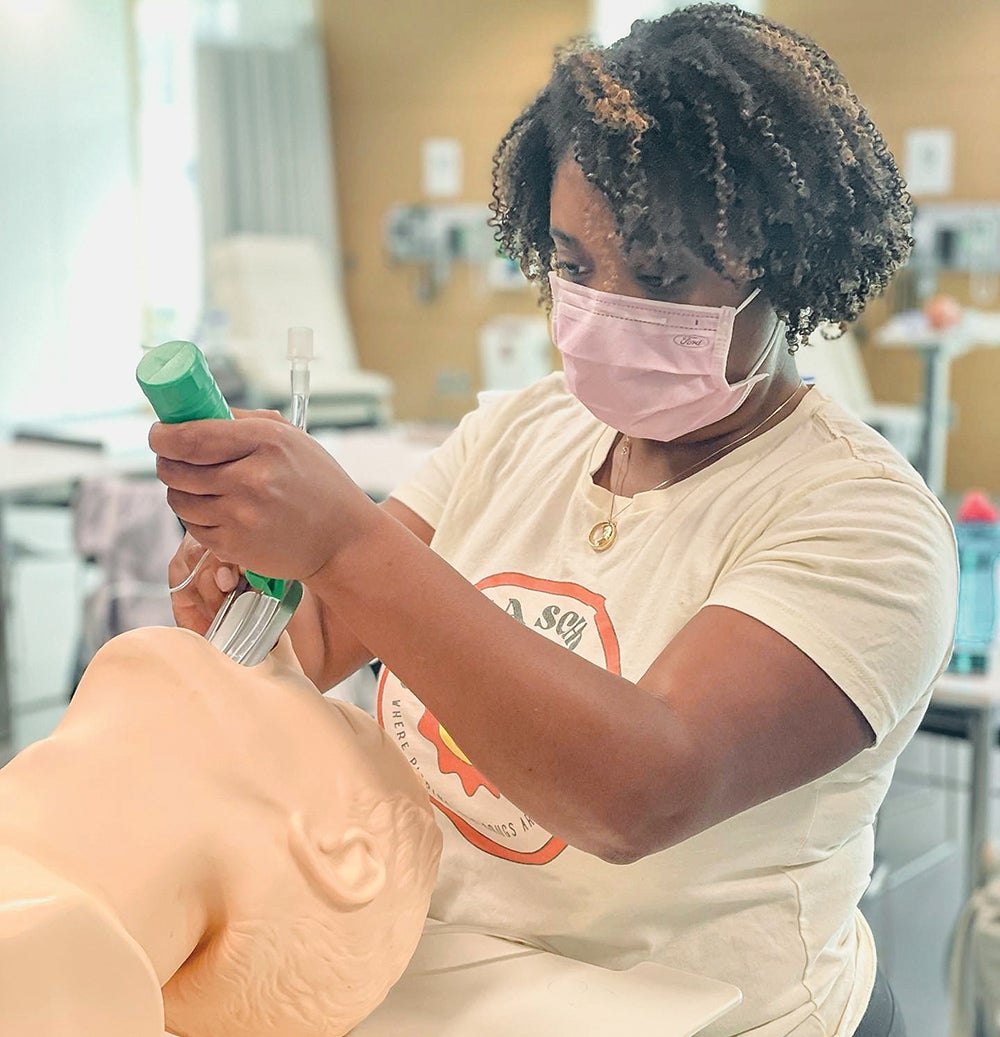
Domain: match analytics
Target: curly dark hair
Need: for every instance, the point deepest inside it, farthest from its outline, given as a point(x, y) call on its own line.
point(729, 133)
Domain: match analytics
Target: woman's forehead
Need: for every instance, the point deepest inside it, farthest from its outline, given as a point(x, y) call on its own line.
point(575, 201)
point(581, 216)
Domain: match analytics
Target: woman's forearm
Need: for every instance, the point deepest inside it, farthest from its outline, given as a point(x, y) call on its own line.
point(327, 648)
point(532, 716)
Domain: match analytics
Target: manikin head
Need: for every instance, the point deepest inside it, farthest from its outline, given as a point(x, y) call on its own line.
point(288, 826)
point(323, 938)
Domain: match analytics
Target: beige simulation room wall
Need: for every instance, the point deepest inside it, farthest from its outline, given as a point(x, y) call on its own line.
point(924, 63)
point(400, 73)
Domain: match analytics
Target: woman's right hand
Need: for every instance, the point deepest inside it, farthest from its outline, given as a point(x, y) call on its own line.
point(196, 605)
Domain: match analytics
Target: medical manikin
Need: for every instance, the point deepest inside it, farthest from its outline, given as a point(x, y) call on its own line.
point(262, 854)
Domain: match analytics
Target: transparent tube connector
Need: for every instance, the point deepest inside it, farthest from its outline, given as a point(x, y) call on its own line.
point(300, 353)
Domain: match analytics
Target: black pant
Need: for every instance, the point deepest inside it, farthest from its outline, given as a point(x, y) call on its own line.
point(882, 1017)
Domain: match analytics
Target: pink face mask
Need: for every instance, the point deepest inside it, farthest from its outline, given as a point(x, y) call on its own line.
point(653, 370)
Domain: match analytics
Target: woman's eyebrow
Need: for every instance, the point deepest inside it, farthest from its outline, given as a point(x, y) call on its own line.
point(562, 236)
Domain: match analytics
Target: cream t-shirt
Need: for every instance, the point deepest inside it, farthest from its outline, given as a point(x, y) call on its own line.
point(817, 528)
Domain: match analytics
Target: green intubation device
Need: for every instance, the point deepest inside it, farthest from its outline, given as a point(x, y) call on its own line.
point(178, 383)
point(176, 380)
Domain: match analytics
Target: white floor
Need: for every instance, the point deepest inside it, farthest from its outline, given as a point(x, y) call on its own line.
point(911, 915)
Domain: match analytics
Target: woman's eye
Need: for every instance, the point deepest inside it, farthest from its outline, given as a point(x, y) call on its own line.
point(653, 281)
point(564, 266)
point(659, 283)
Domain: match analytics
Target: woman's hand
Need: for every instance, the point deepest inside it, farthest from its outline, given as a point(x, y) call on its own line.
point(196, 605)
point(259, 493)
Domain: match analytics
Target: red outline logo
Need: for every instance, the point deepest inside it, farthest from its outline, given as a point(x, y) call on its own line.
point(425, 741)
point(451, 759)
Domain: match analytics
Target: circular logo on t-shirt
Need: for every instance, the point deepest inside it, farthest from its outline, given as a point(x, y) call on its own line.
point(565, 613)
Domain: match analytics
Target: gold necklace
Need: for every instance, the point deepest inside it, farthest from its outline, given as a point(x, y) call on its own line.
point(604, 534)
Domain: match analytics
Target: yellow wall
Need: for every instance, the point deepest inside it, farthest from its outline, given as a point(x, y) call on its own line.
point(399, 73)
point(928, 63)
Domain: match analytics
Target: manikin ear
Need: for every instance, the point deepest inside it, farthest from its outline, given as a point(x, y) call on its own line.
point(346, 869)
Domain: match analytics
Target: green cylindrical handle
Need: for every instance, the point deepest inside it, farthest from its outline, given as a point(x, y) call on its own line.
point(176, 380)
point(178, 383)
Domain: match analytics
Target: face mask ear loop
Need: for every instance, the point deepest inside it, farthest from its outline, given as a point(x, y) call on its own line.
point(752, 373)
point(746, 302)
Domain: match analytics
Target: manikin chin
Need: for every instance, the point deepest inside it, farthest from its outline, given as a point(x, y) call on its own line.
point(209, 848)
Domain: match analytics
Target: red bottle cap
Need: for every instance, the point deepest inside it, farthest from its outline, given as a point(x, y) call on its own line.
point(976, 507)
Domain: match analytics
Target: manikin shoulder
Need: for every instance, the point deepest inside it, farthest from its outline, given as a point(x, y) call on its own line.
point(67, 965)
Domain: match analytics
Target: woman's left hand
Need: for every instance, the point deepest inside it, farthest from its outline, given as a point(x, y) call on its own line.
point(259, 492)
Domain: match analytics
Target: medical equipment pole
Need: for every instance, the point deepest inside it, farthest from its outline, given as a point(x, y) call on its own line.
point(934, 438)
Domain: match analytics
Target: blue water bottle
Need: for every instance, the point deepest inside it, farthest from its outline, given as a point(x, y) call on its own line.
point(978, 532)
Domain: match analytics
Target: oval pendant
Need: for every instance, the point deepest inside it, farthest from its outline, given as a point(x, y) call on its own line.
point(603, 535)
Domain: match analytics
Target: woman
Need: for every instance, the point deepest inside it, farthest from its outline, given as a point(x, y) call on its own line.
point(679, 611)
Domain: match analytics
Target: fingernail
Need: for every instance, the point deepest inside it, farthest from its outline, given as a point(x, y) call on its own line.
point(225, 580)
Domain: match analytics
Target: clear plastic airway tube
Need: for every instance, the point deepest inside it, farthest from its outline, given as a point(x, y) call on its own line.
point(300, 352)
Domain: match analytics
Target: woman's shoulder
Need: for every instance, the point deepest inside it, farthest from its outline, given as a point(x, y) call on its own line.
point(839, 454)
point(837, 431)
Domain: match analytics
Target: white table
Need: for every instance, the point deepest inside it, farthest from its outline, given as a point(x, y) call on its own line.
point(968, 707)
point(470, 985)
point(380, 459)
